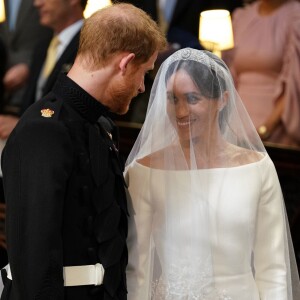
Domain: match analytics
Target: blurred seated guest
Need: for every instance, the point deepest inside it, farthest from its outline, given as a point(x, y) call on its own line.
point(21, 31)
point(65, 18)
point(265, 63)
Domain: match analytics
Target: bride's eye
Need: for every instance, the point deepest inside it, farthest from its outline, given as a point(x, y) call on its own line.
point(171, 98)
point(192, 98)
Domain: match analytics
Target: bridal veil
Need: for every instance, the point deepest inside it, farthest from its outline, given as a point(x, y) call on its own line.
point(207, 216)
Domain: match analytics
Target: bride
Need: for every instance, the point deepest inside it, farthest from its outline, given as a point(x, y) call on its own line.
point(207, 217)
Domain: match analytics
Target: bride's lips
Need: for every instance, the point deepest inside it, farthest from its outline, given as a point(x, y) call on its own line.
point(184, 123)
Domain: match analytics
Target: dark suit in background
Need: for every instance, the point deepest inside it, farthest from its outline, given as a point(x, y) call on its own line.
point(184, 25)
point(20, 44)
point(62, 65)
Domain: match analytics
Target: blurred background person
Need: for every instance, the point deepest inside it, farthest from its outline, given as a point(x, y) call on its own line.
point(266, 65)
point(20, 32)
point(65, 18)
point(51, 56)
point(179, 19)
point(265, 62)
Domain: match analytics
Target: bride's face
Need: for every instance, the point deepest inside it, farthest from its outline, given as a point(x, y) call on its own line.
point(193, 115)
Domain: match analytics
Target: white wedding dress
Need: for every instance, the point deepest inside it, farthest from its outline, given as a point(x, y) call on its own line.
point(225, 241)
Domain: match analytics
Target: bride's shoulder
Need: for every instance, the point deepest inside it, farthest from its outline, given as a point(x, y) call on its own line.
point(243, 156)
point(154, 160)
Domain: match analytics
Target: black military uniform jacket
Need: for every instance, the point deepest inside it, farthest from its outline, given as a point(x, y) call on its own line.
point(65, 196)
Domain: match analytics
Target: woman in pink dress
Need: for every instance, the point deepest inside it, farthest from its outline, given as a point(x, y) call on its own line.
point(265, 63)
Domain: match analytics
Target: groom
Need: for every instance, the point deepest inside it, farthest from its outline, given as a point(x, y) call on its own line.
point(63, 181)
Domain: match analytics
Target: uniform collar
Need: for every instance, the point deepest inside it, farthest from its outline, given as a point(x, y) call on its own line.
point(68, 90)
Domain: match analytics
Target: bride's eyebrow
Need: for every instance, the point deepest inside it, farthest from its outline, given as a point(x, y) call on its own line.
point(195, 94)
point(170, 93)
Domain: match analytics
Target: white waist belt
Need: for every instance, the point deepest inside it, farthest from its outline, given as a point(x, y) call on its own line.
point(77, 275)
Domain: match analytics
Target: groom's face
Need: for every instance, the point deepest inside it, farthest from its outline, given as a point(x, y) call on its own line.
point(131, 84)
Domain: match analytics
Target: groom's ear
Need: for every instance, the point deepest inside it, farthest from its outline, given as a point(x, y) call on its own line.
point(124, 62)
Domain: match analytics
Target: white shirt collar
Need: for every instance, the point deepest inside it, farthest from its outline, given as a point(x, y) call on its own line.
point(67, 35)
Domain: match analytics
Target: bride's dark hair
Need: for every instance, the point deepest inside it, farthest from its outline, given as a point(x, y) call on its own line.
point(210, 85)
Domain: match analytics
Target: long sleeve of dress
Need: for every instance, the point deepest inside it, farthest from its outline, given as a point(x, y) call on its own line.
point(140, 244)
point(35, 205)
point(271, 259)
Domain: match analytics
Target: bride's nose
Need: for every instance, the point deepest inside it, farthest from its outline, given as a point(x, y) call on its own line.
point(181, 109)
